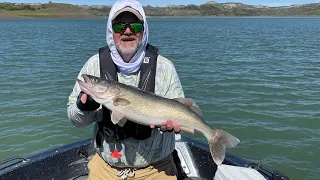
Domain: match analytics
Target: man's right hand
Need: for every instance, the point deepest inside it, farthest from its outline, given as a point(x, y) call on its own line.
point(86, 103)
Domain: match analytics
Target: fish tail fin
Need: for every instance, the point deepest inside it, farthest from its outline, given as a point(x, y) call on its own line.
point(218, 144)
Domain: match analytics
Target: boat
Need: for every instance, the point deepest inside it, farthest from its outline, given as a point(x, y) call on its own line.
point(192, 158)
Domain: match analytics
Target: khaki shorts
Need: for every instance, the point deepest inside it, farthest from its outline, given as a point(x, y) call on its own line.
point(100, 170)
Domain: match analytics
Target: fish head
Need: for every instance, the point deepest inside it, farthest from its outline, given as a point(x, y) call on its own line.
point(101, 90)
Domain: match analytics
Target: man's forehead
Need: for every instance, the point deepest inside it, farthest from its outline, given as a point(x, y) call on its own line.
point(126, 17)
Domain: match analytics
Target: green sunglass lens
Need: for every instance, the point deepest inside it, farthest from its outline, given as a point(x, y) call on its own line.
point(136, 27)
point(118, 27)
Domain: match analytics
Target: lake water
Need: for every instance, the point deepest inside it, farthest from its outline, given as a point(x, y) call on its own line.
point(257, 78)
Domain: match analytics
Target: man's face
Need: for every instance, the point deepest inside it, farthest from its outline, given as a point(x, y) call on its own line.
point(127, 42)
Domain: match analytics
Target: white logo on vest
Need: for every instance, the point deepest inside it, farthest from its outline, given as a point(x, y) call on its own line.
point(146, 60)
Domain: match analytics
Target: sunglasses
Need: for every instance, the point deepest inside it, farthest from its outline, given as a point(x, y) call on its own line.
point(135, 27)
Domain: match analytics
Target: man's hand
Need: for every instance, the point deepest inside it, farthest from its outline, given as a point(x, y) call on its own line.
point(86, 103)
point(169, 126)
point(84, 98)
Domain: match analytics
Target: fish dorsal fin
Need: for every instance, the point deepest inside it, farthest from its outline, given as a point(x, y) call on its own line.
point(191, 104)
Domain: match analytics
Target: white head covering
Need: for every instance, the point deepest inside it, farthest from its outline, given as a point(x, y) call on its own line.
point(134, 64)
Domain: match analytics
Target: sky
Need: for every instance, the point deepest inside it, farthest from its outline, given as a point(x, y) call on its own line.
point(170, 2)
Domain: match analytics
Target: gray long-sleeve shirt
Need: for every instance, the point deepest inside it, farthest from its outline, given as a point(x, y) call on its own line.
point(135, 153)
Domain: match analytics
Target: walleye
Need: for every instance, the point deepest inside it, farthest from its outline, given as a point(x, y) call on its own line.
point(134, 104)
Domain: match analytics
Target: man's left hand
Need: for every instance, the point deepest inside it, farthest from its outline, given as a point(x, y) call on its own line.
point(169, 126)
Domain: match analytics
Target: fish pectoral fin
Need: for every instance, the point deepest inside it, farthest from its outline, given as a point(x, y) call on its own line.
point(187, 129)
point(191, 104)
point(120, 101)
point(117, 118)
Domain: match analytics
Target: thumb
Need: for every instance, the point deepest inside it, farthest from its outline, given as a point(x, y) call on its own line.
point(84, 98)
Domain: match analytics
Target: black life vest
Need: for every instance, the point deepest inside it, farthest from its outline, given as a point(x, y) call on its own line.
point(113, 132)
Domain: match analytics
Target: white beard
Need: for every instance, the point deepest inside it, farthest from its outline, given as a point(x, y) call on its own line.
point(127, 50)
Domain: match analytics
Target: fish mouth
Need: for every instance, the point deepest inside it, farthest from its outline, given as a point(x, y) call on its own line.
point(85, 85)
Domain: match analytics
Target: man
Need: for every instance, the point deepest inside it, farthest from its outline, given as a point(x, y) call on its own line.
point(128, 150)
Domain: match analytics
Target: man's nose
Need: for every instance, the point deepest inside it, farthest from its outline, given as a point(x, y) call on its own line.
point(128, 30)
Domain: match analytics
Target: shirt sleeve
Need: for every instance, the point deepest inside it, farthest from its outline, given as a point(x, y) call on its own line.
point(75, 115)
point(167, 80)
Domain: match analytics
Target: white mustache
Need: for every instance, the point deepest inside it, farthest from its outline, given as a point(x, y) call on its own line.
point(128, 38)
